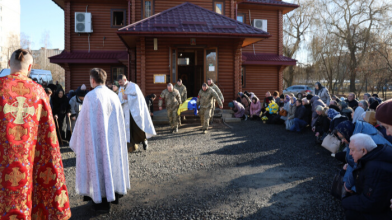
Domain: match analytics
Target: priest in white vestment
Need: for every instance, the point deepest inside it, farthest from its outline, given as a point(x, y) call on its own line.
point(138, 123)
point(100, 144)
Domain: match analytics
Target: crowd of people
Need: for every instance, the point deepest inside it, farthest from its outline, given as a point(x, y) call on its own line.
point(104, 123)
point(362, 126)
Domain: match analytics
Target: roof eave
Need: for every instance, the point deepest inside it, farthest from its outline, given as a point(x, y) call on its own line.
point(283, 63)
point(57, 2)
point(285, 8)
point(196, 34)
point(87, 61)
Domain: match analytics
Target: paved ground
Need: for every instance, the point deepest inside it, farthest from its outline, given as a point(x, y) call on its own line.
point(255, 171)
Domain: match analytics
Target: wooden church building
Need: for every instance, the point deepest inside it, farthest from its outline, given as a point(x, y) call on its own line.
point(238, 43)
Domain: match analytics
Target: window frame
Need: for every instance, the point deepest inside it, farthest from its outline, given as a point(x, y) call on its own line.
point(243, 76)
point(112, 17)
point(143, 8)
point(214, 2)
point(243, 16)
point(112, 73)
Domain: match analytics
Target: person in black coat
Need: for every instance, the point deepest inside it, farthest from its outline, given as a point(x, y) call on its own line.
point(300, 117)
point(373, 180)
point(321, 126)
point(351, 101)
point(150, 104)
point(335, 118)
point(61, 110)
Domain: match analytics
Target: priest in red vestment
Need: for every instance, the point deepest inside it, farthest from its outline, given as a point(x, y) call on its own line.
point(32, 182)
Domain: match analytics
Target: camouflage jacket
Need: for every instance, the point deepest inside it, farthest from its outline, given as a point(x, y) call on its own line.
point(218, 91)
point(206, 98)
point(172, 99)
point(183, 92)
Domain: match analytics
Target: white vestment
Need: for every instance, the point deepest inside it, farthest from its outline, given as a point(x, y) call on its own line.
point(101, 147)
point(136, 105)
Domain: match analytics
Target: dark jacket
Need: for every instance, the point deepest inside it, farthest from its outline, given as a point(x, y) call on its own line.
point(353, 104)
point(300, 113)
point(336, 121)
point(308, 113)
point(322, 124)
point(373, 181)
point(150, 104)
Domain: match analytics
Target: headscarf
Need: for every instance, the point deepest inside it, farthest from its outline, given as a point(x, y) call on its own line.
point(332, 113)
point(358, 114)
point(287, 99)
point(292, 104)
point(231, 105)
point(320, 87)
point(241, 94)
point(309, 97)
point(343, 104)
point(374, 105)
point(346, 128)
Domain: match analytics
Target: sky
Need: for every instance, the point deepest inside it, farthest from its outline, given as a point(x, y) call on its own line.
point(39, 17)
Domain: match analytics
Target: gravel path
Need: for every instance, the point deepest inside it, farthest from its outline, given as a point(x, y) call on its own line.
point(254, 171)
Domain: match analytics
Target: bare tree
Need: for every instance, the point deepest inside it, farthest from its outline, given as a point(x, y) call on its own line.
point(296, 25)
point(353, 21)
point(25, 41)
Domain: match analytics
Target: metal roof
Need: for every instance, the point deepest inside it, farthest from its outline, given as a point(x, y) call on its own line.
point(90, 57)
point(249, 58)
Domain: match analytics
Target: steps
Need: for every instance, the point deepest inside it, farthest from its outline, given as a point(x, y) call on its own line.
point(227, 116)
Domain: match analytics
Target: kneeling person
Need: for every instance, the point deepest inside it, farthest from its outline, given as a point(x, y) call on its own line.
point(206, 99)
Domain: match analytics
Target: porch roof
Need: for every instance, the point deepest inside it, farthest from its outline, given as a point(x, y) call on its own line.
point(189, 20)
point(90, 57)
point(266, 59)
point(285, 6)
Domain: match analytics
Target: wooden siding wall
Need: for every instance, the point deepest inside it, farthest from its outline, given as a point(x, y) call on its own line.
point(260, 79)
point(157, 62)
point(80, 74)
point(101, 22)
point(162, 5)
point(270, 45)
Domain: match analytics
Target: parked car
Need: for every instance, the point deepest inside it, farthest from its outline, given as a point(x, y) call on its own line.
point(299, 90)
point(37, 75)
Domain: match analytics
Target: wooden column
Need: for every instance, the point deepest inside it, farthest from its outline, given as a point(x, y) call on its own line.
point(132, 65)
point(280, 79)
point(280, 41)
point(67, 77)
point(237, 68)
point(143, 64)
point(67, 26)
point(233, 9)
point(129, 12)
point(133, 11)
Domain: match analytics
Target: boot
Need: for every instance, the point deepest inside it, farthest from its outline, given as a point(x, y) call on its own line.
point(145, 145)
point(132, 147)
point(204, 131)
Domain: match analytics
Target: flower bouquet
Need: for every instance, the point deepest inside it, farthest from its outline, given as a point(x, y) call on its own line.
point(264, 118)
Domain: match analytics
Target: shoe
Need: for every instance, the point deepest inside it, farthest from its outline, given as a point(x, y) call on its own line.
point(101, 208)
point(246, 117)
point(204, 131)
point(172, 131)
point(132, 148)
point(145, 145)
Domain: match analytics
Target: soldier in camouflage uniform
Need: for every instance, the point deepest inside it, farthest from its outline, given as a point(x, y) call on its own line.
point(173, 101)
point(205, 100)
point(213, 86)
point(183, 93)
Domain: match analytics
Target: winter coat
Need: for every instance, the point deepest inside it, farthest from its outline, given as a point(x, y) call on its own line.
point(183, 92)
point(206, 99)
point(315, 101)
point(322, 124)
point(336, 121)
point(150, 104)
point(172, 99)
point(246, 103)
point(286, 107)
point(239, 110)
point(75, 106)
point(60, 107)
point(353, 104)
point(255, 109)
point(373, 180)
point(300, 113)
point(291, 112)
point(324, 95)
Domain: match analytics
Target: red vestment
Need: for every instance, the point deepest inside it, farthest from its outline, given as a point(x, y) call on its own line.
point(32, 182)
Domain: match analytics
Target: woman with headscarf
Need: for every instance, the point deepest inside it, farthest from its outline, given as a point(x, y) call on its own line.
point(76, 103)
point(336, 118)
point(245, 101)
point(286, 107)
point(255, 108)
point(357, 114)
point(323, 93)
point(61, 110)
point(321, 126)
point(291, 113)
point(238, 109)
point(345, 110)
point(373, 104)
point(115, 87)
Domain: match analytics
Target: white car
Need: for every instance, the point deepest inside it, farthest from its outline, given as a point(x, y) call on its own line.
point(37, 75)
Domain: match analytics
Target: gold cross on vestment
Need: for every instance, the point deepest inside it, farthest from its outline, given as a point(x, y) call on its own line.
point(17, 132)
point(20, 89)
point(19, 110)
point(39, 112)
point(15, 176)
point(47, 175)
point(61, 199)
